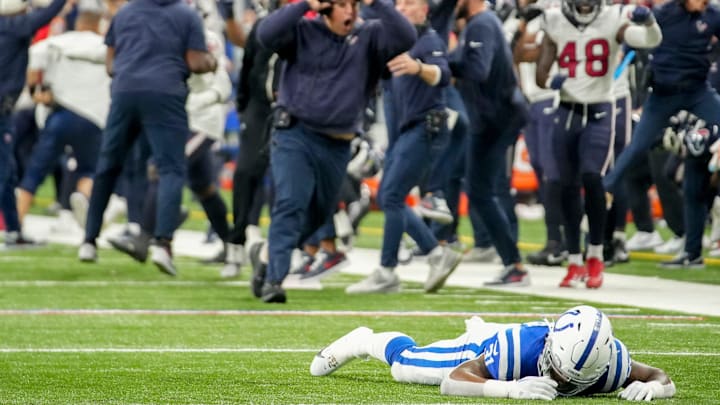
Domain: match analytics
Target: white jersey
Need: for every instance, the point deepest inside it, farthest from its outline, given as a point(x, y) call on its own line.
point(73, 65)
point(206, 106)
point(588, 56)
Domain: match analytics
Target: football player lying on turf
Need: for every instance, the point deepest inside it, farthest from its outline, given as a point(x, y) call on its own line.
point(577, 355)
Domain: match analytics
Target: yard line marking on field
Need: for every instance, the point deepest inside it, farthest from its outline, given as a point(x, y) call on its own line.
point(248, 350)
point(152, 350)
point(682, 325)
point(422, 314)
point(105, 283)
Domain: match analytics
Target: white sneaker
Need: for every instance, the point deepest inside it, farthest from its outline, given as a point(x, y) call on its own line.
point(116, 207)
point(644, 241)
point(436, 209)
point(381, 280)
point(340, 352)
point(162, 258)
point(715, 250)
point(79, 204)
point(673, 246)
point(441, 266)
point(234, 259)
point(65, 223)
point(715, 215)
point(481, 255)
point(87, 253)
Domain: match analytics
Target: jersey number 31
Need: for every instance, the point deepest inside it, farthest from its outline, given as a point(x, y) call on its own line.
point(596, 63)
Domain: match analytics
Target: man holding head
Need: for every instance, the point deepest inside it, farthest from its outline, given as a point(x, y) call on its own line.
point(332, 67)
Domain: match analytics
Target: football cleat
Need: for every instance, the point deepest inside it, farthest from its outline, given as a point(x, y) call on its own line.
point(340, 352)
point(550, 255)
point(576, 274)
point(595, 268)
point(87, 253)
point(161, 256)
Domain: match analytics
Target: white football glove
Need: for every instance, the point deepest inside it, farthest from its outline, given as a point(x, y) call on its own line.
point(647, 391)
point(534, 388)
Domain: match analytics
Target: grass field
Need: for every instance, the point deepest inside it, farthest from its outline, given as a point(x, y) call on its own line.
point(197, 339)
point(122, 333)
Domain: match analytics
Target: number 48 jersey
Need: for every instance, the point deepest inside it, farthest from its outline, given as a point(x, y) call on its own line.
point(587, 55)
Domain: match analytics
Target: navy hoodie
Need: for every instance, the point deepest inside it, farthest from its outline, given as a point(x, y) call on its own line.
point(150, 38)
point(328, 79)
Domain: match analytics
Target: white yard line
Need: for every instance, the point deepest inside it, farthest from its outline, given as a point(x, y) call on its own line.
point(247, 350)
point(422, 314)
point(129, 283)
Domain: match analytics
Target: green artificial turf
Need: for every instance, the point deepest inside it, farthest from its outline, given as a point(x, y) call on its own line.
point(260, 357)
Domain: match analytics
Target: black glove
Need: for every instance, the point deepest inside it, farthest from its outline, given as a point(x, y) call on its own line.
point(225, 8)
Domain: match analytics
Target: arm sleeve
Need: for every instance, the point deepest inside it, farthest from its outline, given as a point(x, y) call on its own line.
point(277, 30)
point(436, 54)
point(243, 91)
point(42, 16)
point(642, 36)
point(196, 35)
point(478, 52)
point(38, 56)
point(393, 33)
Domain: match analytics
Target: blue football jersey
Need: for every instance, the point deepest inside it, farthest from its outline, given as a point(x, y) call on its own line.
point(513, 353)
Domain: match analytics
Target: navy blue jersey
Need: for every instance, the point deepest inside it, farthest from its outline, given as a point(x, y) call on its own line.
point(15, 35)
point(328, 79)
point(483, 63)
point(413, 97)
point(150, 38)
point(683, 56)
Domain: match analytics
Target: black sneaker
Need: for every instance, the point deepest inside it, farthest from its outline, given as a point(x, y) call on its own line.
point(304, 265)
point(259, 269)
point(327, 263)
point(510, 275)
point(273, 293)
point(134, 246)
point(217, 258)
point(620, 253)
point(553, 254)
point(17, 241)
point(683, 261)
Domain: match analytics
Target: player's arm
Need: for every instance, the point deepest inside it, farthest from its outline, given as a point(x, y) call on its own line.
point(233, 28)
point(643, 32)
point(109, 59)
point(646, 383)
point(548, 50)
point(472, 379)
point(197, 57)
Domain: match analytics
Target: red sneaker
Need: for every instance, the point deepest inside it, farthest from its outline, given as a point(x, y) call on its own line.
point(575, 275)
point(595, 269)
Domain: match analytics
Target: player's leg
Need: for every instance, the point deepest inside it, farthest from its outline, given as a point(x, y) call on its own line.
point(294, 182)
point(43, 158)
point(595, 151)
point(121, 130)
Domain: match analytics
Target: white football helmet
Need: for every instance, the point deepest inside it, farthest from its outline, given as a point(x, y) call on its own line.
point(8, 7)
point(578, 349)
